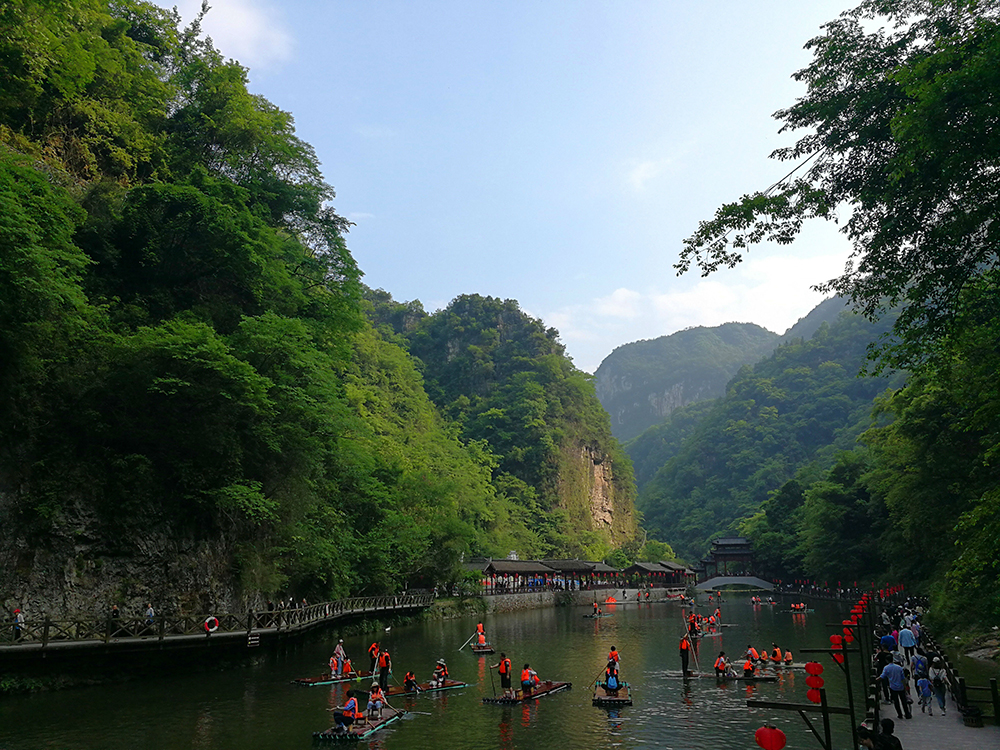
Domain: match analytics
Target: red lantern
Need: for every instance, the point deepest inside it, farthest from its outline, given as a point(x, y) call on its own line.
point(848, 638)
point(813, 695)
point(839, 658)
point(814, 668)
point(814, 681)
point(846, 622)
point(835, 640)
point(770, 738)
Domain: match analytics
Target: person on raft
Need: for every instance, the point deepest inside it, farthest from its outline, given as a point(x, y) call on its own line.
point(344, 716)
point(338, 658)
point(440, 674)
point(410, 683)
point(529, 679)
point(614, 656)
point(775, 653)
point(373, 653)
point(504, 666)
point(787, 658)
point(748, 668)
point(376, 700)
point(480, 635)
point(720, 665)
point(685, 650)
point(611, 680)
point(384, 668)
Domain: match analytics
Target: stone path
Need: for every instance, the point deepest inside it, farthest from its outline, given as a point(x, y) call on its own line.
point(938, 732)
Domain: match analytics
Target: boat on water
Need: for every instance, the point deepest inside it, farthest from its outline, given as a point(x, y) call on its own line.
point(424, 687)
point(486, 648)
point(362, 728)
point(723, 678)
point(593, 616)
point(546, 687)
point(794, 611)
point(333, 679)
point(604, 697)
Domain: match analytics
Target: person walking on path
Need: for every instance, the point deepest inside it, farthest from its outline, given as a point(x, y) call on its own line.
point(18, 624)
point(908, 643)
point(919, 666)
point(895, 675)
point(926, 695)
point(940, 682)
point(888, 740)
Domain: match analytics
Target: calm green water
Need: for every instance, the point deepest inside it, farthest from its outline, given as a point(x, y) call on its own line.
point(255, 708)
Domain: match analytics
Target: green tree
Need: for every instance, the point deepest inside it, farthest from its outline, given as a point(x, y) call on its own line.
point(900, 128)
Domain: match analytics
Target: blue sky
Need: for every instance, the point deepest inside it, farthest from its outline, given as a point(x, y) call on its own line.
point(552, 152)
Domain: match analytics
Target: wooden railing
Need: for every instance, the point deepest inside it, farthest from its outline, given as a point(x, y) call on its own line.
point(43, 632)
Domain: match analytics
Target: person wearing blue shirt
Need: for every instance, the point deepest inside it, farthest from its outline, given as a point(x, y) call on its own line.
point(895, 676)
point(888, 641)
point(907, 642)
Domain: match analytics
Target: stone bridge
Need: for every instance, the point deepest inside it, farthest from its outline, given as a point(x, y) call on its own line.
point(719, 581)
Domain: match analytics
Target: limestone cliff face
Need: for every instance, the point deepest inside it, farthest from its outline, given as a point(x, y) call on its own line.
point(74, 571)
point(598, 492)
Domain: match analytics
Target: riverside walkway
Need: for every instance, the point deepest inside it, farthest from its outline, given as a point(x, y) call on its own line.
point(948, 732)
point(48, 636)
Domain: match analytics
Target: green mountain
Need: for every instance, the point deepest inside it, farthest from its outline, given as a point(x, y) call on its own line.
point(797, 407)
point(641, 383)
point(507, 383)
point(195, 410)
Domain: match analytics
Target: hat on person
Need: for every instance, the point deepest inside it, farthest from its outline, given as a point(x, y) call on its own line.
point(937, 660)
point(16, 611)
point(440, 661)
point(374, 684)
point(341, 640)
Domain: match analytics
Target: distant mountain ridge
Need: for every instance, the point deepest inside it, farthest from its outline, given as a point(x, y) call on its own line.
point(641, 383)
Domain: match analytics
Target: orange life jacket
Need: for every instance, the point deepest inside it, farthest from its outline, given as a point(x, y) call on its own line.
point(753, 653)
point(376, 694)
point(351, 709)
point(720, 664)
point(504, 666)
point(346, 667)
point(482, 639)
point(776, 654)
point(409, 677)
point(383, 659)
point(373, 650)
point(525, 675)
point(613, 656)
point(788, 657)
point(748, 666)
point(685, 644)
point(479, 628)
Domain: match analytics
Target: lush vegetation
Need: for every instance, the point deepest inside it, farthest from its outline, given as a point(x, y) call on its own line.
point(505, 380)
point(185, 356)
point(900, 125)
point(640, 383)
point(794, 409)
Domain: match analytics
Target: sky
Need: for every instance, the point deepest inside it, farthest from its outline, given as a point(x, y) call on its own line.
point(555, 152)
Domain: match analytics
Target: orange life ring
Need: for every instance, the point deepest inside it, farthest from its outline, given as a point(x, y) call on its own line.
point(211, 624)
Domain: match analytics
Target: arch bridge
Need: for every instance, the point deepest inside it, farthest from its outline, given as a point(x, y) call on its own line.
point(719, 581)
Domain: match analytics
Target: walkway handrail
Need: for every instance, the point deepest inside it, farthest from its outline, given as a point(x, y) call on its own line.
point(45, 631)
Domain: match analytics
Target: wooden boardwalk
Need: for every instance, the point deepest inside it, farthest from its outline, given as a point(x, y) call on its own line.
point(938, 732)
point(40, 637)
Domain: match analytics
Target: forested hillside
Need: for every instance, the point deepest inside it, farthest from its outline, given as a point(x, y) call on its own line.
point(194, 409)
point(795, 408)
point(897, 122)
point(505, 380)
point(642, 382)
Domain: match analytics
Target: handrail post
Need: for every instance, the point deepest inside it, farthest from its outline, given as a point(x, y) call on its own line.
point(45, 632)
point(962, 694)
point(107, 630)
point(996, 700)
point(163, 627)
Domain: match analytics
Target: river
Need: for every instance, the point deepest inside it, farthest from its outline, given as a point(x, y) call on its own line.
point(254, 706)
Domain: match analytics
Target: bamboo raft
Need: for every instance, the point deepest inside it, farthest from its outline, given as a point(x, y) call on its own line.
point(361, 728)
point(487, 649)
point(424, 687)
point(546, 687)
point(794, 611)
point(724, 678)
point(620, 697)
point(331, 679)
point(594, 617)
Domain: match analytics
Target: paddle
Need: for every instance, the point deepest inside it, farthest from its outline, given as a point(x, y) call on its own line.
point(492, 683)
point(468, 641)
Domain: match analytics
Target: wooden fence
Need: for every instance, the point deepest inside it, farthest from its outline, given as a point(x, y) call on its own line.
point(42, 633)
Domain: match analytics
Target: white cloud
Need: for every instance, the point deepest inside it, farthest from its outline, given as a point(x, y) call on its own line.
point(771, 291)
point(250, 31)
point(357, 216)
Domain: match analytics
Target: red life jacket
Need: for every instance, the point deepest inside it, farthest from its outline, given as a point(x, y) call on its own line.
point(504, 666)
point(479, 628)
point(613, 656)
point(748, 666)
point(525, 675)
point(482, 639)
point(383, 659)
point(720, 664)
point(685, 644)
point(753, 653)
point(376, 694)
point(373, 650)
